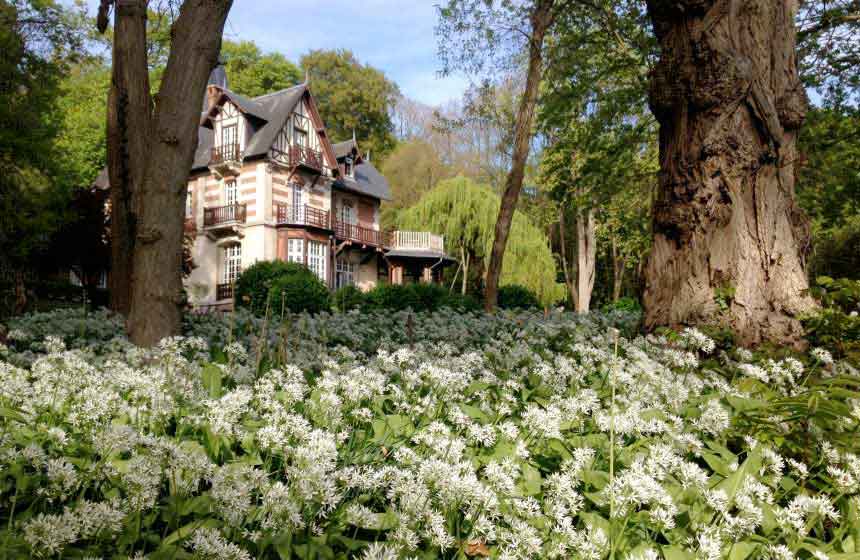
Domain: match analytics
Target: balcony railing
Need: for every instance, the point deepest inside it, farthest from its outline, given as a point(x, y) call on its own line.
point(303, 215)
point(419, 240)
point(223, 291)
point(225, 214)
point(300, 155)
point(354, 232)
point(225, 153)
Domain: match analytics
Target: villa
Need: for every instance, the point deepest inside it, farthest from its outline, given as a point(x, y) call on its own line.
point(268, 183)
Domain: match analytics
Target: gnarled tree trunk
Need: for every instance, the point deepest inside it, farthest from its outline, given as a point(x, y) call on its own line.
point(729, 240)
point(150, 151)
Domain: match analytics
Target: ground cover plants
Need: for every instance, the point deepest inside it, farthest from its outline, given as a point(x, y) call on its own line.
point(431, 435)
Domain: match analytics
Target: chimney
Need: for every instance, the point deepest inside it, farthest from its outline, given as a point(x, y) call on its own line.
point(213, 92)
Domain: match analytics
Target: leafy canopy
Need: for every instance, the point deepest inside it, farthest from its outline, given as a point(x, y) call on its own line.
point(465, 213)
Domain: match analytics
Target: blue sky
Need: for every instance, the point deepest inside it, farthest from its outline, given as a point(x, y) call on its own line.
point(395, 36)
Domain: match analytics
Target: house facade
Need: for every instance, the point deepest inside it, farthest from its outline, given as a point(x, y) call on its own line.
point(268, 183)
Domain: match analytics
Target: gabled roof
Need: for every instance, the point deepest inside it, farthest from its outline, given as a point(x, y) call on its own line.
point(271, 110)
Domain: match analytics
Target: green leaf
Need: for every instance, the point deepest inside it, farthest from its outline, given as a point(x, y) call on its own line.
point(732, 484)
point(677, 553)
point(211, 377)
point(474, 413)
point(742, 550)
point(531, 481)
point(188, 529)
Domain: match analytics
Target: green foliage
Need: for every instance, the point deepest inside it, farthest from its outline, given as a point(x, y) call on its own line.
point(836, 326)
point(836, 250)
point(514, 296)
point(417, 297)
point(347, 298)
point(352, 97)
point(465, 213)
point(297, 289)
point(627, 304)
point(723, 296)
point(251, 289)
point(252, 73)
point(637, 444)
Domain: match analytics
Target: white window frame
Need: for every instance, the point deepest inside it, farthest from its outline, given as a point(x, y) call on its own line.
point(347, 213)
point(317, 253)
point(345, 271)
point(296, 250)
point(231, 263)
point(231, 192)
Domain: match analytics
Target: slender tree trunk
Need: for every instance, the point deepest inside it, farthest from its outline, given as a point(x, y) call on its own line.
point(568, 274)
point(20, 293)
point(586, 256)
point(465, 270)
point(729, 102)
point(541, 19)
point(619, 263)
point(151, 148)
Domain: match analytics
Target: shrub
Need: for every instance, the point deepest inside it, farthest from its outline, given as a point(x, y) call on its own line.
point(251, 289)
point(348, 298)
point(417, 297)
point(628, 304)
point(837, 326)
point(514, 296)
point(297, 290)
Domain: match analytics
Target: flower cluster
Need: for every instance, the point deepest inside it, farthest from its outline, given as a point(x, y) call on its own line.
point(512, 436)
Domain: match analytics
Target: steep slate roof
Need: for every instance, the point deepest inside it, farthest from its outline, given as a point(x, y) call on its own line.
point(271, 111)
point(367, 180)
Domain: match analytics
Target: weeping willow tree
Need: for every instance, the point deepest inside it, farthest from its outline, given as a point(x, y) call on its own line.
point(465, 213)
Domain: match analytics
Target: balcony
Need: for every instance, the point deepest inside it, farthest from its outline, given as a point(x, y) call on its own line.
point(223, 291)
point(225, 160)
point(417, 241)
point(296, 156)
point(302, 215)
point(224, 217)
point(359, 234)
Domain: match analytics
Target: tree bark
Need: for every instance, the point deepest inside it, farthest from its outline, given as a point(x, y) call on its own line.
point(729, 102)
point(541, 19)
point(466, 257)
point(568, 274)
point(586, 257)
point(128, 110)
point(619, 263)
point(151, 149)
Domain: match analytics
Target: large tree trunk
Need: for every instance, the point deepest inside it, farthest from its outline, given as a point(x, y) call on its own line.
point(128, 110)
point(541, 19)
point(152, 148)
point(586, 258)
point(729, 102)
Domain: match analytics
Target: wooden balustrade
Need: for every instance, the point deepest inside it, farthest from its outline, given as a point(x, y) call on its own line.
point(355, 232)
point(303, 215)
point(299, 155)
point(224, 153)
point(225, 214)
